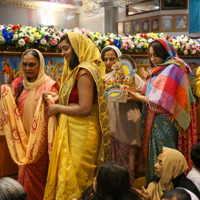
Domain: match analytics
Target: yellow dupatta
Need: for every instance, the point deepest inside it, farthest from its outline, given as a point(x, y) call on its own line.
point(63, 182)
point(27, 147)
point(173, 165)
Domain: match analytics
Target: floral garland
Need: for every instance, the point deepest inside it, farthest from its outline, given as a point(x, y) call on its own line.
point(24, 37)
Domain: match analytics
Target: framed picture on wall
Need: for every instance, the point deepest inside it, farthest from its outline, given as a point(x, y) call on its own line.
point(167, 22)
point(127, 27)
point(181, 22)
point(120, 27)
point(145, 25)
point(136, 26)
point(155, 23)
point(174, 4)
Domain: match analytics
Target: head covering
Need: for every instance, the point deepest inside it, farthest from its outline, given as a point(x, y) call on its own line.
point(173, 56)
point(86, 50)
point(173, 165)
point(117, 51)
point(32, 86)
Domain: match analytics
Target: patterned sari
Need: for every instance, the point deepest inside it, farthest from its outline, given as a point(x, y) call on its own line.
point(29, 149)
point(81, 143)
point(169, 118)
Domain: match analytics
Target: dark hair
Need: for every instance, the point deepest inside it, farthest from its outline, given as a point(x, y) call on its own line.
point(21, 86)
point(107, 49)
point(176, 194)
point(10, 189)
point(195, 154)
point(159, 50)
point(113, 183)
point(74, 62)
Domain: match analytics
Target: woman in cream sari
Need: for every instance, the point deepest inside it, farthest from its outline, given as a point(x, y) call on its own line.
point(82, 139)
point(26, 124)
point(125, 119)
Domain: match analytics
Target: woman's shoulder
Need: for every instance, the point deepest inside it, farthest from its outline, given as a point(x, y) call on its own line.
point(50, 83)
point(83, 71)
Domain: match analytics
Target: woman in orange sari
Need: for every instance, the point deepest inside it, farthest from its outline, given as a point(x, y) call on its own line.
point(26, 129)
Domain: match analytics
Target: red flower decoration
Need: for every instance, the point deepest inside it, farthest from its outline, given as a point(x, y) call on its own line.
point(167, 37)
point(27, 40)
point(111, 42)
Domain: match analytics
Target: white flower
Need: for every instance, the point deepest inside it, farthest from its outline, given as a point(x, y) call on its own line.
point(32, 37)
point(182, 47)
point(53, 36)
point(162, 34)
point(46, 33)
point(91, 34)
point(176, 48)
point(21, 42)
point(39, 37)
point(21, 35)
point(132, 46)
point(26, 35)
point(174, 40)
point(15, 36)
point(150, 40)
point(185, 52)
point(136, 42)
point(23, 30)
point(141, 44)
point(58, 37)
point(97, 42)
point(191, 41)
point(100, 37)
point(43, 41)
point(1, 39)
point(111, 40)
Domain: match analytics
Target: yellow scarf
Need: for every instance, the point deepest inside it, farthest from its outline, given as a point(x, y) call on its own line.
point(173, 165)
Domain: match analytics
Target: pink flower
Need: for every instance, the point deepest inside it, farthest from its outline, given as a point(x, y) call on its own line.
point(197, 48)
point(60, 34)
point(193, 46)
point(52, 31)
point(124, 45)
point(85, 31)
point(193, 51)
point(129, 46)
point(54, 42)
point(183, 42)
point(187, 47)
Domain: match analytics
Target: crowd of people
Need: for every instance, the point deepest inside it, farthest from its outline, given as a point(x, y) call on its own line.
point(69, 142)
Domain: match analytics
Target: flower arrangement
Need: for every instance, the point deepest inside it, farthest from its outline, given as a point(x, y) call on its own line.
point(24, 37)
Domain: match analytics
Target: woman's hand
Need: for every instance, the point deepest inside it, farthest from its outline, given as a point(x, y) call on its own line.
point(132, 96)
point(144, 194)
point(53, 94)
point(54, 109)
point(143, 73)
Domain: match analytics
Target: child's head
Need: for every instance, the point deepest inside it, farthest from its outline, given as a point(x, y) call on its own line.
point(195, 154)
point(113, 181)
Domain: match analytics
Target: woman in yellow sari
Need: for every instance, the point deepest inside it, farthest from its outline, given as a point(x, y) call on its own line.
point(82, 140)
